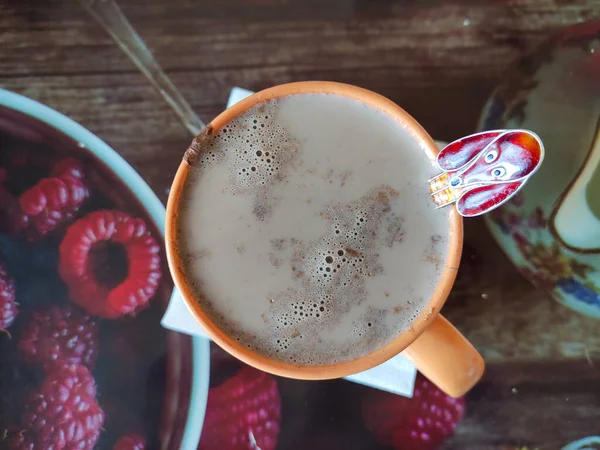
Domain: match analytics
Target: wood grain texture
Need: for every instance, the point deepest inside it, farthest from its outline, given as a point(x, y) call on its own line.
point(438, 59)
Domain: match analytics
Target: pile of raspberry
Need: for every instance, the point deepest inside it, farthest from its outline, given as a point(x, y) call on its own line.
point(108, 259)
point(110, 265)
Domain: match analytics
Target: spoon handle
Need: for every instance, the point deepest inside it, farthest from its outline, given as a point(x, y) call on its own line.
point(110, 16)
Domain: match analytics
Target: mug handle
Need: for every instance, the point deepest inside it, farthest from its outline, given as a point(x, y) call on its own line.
point(446, 358)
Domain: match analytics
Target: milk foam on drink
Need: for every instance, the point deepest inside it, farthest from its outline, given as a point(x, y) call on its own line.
point(307, 231)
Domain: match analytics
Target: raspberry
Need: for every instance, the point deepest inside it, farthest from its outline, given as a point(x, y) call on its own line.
point(420, 423)
point(62, 413)
point(50, 203)
point(59, 334)
point(110, 262)
point(68, 168)
point(130, 442)
point(8, 306)
point(243, 413)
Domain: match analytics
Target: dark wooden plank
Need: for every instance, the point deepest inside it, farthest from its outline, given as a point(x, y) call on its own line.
point(560, 406)
point(419, 54)
point(505, 317)
point(461, 39)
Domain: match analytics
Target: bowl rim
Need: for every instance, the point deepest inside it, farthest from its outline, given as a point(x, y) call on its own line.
point(155, 210)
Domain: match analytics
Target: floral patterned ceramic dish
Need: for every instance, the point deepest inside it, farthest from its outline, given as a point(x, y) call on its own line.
point(550, 229)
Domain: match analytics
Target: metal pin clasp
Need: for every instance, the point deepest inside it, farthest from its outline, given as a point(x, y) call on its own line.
point(443, 190)
point(484, 170)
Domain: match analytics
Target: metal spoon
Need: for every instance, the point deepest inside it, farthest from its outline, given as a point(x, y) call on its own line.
point(110, 16)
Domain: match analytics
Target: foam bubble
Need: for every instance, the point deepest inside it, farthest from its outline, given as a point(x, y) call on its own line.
point(256, 150)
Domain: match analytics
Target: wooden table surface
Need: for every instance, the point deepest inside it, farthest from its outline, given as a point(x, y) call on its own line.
point(439, 59)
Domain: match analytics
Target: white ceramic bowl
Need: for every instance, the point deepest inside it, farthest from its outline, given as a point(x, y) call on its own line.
point(188, 433)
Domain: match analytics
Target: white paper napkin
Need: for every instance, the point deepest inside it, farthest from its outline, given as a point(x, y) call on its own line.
point(396, 375)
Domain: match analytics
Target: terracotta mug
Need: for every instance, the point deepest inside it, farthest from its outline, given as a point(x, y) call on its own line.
point(432, 343)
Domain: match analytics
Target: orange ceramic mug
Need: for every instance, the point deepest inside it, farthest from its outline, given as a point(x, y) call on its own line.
point(436, 347)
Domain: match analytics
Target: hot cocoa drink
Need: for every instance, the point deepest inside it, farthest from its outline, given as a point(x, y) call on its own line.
point(306, 228)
